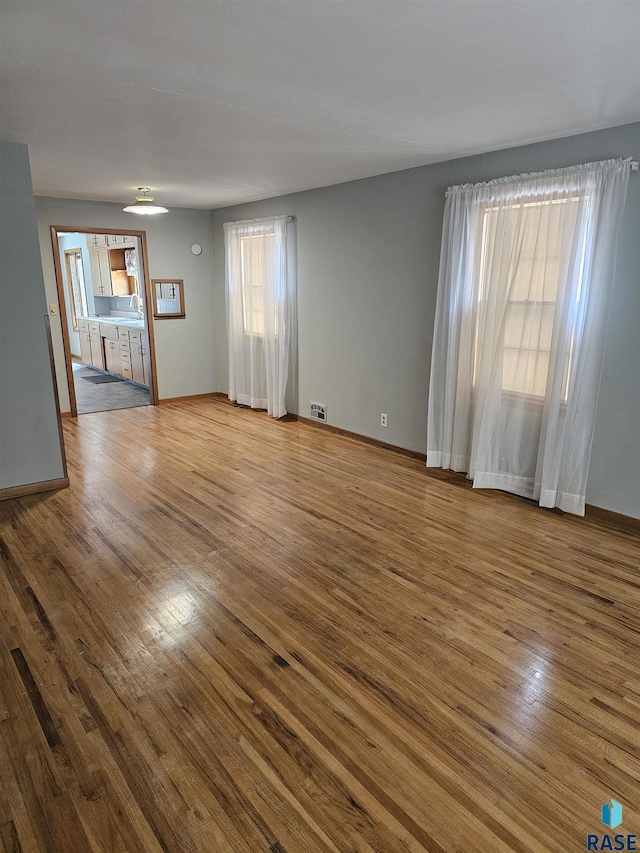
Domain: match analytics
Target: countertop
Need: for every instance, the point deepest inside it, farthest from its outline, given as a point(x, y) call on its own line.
point(129, 322)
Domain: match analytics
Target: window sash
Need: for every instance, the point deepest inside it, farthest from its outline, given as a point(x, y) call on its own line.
point(256, 252)
point(75, 280)
point(535, 292)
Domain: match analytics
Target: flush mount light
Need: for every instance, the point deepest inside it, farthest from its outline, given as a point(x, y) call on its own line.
point(144, 204)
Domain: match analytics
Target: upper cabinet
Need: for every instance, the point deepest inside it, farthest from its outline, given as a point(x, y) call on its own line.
point(94, 240)
point(109, 272)
point(121, 283)
point(100, 270)
point(121, 240)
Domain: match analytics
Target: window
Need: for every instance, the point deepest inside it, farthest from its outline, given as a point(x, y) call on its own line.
point(261, 276)
point(255, 252)
point(535, 270)
point(526, 272)
point(75, 279)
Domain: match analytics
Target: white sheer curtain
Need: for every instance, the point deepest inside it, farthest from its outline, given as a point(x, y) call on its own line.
point(526, 270)
point(261, 293)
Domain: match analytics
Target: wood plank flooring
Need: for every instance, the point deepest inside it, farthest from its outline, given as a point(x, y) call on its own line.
point(234, 635)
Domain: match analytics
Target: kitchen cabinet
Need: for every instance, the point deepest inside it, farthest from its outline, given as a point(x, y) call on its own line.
point(94, 240)
point(166, 290)
point(91, 349)
point(108, 274)
point(100, 271)
point(118, 349)
point(121, 283)
point(123, 241)
point(135, 356)
point(85, 344)
point(111, 345)
point(125, 359)
point(139, 363)
point(112, 360)
point(109, 330)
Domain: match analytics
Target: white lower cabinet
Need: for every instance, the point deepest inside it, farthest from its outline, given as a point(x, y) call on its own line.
point(115, 348)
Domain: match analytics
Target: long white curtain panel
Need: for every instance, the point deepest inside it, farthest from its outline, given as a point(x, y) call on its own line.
point(526, 271)
point(261, 310)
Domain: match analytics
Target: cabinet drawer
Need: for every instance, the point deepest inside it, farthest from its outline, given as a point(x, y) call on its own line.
point(125, 356)
point(83, 325)
point(125, 346)
point(123, 334)
point(94, 328)
point(110, 332)
point(126, 370)
point(135, 337)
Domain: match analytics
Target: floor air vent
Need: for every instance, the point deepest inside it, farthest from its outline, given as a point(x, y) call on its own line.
point(319, 412)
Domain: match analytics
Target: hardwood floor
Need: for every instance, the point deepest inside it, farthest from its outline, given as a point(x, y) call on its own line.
point(234, 635)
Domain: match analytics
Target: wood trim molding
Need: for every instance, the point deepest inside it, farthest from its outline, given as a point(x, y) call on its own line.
point(62, 310)
point(84, 229)
point(341, 433)
point(54, 381)
point(220, 396)
point(211, 395)
point(66, 415)
point(615, 519)
point(34, 488)
point(224, 398)
point(361, 439)
point(626, 522)
point(148, 311)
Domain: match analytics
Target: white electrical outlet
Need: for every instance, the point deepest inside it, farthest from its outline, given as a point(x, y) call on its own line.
point(383, 419)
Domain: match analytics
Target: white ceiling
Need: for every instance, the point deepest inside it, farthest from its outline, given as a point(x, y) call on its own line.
point(213, 102)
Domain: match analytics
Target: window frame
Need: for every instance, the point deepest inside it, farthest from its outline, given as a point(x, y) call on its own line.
point(531, 399)
point(244, 286)
point(71, 256)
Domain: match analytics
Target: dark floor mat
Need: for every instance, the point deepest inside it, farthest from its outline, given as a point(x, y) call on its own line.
point(101, 378)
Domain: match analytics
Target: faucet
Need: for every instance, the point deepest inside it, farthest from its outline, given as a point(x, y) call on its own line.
point(136, 304)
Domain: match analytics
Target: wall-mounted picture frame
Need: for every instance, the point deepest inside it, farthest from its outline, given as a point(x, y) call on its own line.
point(168, 298)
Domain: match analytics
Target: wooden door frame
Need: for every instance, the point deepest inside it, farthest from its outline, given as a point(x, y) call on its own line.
point(56, 230)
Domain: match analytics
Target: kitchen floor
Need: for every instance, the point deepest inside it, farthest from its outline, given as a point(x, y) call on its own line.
point(105, 396)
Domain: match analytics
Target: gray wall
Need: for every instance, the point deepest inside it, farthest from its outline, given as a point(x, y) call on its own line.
point(185, 349)
point(368, 255)
point(29, 439)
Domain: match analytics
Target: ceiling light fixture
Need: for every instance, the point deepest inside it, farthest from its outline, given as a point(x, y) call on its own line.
point(144, 204)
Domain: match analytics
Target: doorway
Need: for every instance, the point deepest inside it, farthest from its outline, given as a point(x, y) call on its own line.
point(104, 296)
